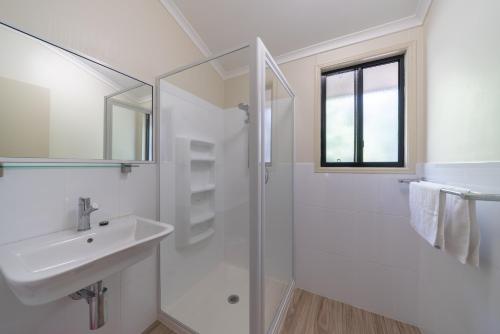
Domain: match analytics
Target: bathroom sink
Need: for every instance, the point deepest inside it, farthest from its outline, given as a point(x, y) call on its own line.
point(49, 267)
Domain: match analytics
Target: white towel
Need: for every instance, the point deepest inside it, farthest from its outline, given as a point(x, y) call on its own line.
point(427, 208)
point(461, 231)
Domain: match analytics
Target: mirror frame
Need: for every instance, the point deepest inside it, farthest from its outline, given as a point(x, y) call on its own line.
point(66, 161)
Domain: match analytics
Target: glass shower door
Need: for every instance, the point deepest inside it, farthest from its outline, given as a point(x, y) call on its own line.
point(226, 183)
point(204, 192)
point(278, 195)
point(275, 102)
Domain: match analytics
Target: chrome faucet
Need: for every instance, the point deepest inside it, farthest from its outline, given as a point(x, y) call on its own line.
point(85, 208)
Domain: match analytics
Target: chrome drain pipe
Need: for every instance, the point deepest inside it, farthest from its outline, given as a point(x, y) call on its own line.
point(94, 295)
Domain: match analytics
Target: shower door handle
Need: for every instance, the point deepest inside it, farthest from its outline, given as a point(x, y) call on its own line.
point(267, 175)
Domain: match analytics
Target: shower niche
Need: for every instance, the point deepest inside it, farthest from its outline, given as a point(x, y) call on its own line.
point(195, 191)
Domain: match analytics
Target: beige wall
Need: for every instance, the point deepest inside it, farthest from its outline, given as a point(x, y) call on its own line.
point(463, 81)
point(201, 81)
point(137, 37)
point(300, 75)
point(24, 119)
point(236, 91)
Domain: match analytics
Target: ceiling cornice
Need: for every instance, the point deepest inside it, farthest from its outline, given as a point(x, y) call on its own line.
point(192, 33)
point(423, 9)
point(406, 23)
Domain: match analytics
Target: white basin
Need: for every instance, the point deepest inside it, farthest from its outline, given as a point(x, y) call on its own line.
point(46, 268)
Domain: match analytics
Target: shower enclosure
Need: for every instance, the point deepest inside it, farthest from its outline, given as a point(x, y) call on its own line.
point(226, 183)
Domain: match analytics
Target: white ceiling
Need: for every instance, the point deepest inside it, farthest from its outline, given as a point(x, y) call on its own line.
point(291, 29)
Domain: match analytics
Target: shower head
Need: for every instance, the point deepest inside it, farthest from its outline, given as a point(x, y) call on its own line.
point(244, 107)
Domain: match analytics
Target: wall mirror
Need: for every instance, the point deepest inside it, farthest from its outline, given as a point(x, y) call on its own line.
point(56, 104)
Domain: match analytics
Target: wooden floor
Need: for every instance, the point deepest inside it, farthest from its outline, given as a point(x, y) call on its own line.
point(313, 314)
point(158, 328)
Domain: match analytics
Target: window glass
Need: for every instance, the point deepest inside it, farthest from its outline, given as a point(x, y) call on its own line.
point(380, 113)
point(362, 115)
point(340, 102)
point(268, 126)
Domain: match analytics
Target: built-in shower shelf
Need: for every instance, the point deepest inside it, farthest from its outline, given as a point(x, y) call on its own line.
point(203, 189)
point(203, 218)
point(195, 191)
point(201, 236)
point(200, 149)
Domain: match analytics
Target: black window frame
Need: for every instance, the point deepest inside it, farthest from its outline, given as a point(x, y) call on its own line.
point(358, 113)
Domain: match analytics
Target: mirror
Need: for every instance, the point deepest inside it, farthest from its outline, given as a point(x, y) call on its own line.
point(56, 104)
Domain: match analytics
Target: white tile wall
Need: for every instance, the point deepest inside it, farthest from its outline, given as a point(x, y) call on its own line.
point(354, 244)
point(36, 201)
point(353, 240)
point(455, 298)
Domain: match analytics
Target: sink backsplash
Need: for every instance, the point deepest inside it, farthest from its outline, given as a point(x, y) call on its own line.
point(37, 201)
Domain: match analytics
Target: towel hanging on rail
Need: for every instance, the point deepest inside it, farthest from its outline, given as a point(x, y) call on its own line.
point(427, 208)
point(461, 232)
point(446, 222)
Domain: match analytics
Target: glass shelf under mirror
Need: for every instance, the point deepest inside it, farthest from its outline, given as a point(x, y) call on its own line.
point(125, 167)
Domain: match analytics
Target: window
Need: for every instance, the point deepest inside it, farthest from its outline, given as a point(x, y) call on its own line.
point(362, 115)
point(268, 125)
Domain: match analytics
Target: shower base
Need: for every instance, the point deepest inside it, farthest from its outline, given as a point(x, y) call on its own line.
point(205, 307)
point(219, 303)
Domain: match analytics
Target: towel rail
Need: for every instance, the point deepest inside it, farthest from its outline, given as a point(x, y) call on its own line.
point(470, 195)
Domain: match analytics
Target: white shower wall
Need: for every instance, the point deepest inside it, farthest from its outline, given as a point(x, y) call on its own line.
point(236, 189)
point(186, 115)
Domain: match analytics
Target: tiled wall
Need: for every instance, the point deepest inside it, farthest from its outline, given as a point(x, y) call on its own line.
point(454, 298)
point(353, 241)
point(354, 244)
point(36, 201)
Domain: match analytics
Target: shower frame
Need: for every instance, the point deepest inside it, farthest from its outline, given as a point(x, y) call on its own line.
point(259, 59)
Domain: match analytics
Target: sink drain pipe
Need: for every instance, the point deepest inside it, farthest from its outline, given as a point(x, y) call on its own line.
point(94, 295)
